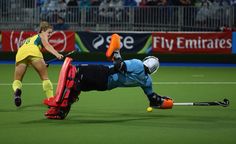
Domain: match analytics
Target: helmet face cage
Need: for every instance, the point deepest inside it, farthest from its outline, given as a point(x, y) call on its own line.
point(152, 63)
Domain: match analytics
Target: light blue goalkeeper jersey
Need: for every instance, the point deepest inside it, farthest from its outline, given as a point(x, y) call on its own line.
point(135, 76)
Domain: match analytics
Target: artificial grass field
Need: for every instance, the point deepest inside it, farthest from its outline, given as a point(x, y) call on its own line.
point(119, 116)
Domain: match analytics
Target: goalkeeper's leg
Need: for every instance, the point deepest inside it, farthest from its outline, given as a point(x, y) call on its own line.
point(66, 93)
point(61, 111)
point(113, 46)
point(113, 53)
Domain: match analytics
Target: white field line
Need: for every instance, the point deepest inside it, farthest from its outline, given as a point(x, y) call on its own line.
point(154, 83)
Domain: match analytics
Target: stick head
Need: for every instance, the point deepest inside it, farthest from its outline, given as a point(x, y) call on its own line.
point(225, 103)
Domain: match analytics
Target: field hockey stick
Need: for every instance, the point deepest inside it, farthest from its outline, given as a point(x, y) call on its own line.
point(223, 103)
point(55, 59)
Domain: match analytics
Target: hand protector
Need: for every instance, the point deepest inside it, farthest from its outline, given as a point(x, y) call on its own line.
point(161, 102)
point(167, 103)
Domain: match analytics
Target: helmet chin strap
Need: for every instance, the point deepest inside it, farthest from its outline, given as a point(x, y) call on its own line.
point(146, 70)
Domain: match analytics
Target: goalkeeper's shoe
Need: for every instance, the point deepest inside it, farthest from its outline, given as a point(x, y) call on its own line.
point(48, 100)
point(114, 46)
point(17, 97)
point(57, 112)
point(161, 102)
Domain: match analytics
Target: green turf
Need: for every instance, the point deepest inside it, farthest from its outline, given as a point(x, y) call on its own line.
point(119, 116)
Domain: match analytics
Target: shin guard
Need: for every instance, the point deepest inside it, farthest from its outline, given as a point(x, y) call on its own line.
point(65, 92)
point(65, 95)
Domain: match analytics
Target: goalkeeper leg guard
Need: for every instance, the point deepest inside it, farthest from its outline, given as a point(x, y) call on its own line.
point(65, 86)
point(48, 88)
point(16, 85)
point(66, 92)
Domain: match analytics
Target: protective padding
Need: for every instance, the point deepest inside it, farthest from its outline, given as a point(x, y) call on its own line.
point(64, 98)
point(62, 78)
point(167, 104)
point(65, 84)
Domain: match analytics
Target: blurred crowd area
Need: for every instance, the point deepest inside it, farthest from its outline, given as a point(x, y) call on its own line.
point(61, 6)
point(209, 11)
point(149, 13)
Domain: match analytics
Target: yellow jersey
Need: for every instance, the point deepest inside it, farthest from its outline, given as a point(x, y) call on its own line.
point(31, 47)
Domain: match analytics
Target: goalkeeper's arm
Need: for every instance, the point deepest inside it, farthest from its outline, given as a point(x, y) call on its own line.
point(162, 102)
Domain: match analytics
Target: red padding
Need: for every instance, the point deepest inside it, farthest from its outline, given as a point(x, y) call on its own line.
point(62, 78)
point(71, 76)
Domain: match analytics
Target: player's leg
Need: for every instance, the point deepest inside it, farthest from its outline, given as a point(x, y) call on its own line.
point(20, 70)
point(40, 66)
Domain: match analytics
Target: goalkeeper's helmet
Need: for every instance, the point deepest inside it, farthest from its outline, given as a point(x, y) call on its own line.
point(151, 64)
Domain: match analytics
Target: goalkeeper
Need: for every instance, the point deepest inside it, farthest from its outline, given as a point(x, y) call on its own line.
point(128, 73)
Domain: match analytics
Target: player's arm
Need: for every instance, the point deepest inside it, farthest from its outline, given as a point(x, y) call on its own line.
point(156, 100)
point(49, 47)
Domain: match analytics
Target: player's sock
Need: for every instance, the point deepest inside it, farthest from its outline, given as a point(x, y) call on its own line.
point(114, 45)
point(48, 88)
point(16, 85)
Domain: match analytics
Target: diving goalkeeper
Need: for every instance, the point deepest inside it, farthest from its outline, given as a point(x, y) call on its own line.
point(127, 73)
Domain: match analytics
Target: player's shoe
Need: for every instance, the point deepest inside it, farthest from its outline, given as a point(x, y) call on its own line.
point(114, 46)
point(17, 97)
point(161, 102)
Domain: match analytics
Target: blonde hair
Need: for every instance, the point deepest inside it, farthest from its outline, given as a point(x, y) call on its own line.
point(44, 26)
